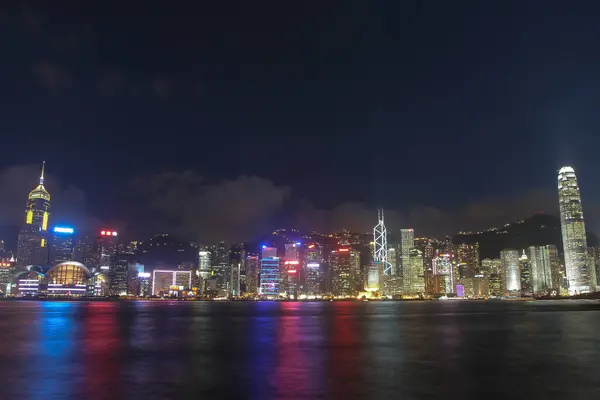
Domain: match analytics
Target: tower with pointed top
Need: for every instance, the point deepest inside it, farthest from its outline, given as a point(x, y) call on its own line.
point(380, 251)
point(580, 276)
point(33, 236)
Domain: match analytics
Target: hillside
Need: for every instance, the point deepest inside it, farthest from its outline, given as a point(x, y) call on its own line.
point(539, 229)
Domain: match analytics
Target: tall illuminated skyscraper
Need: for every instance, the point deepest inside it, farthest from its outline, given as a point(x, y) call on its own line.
point(345, 269)
point(380, 251)
point(414, 279)
point(314, 272)
point(32, 247)
point(579, 275)
point(545, 276)
point(62, 244)
point(510, 264)
point(407, 242)
point(269, 272)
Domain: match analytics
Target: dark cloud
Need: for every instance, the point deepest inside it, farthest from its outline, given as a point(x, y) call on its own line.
point(429, 220)
point(51, 76)
point(236, 210)
point(162, 88)
point(68, 202)
point(32, 18)
point(67, 42)
point(248, 207)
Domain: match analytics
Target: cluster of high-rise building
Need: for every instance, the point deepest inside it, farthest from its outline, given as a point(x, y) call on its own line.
point(57, 260)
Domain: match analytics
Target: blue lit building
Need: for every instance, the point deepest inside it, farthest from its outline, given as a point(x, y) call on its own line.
point(62, 244)
point(269, 272)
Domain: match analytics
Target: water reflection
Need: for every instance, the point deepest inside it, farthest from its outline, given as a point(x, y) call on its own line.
point(100, 352)
point(346, 362)
point(53, 358)
point(300, 369)
point(266, 350)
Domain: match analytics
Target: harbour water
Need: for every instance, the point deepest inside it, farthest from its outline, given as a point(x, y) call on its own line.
point(287, 350)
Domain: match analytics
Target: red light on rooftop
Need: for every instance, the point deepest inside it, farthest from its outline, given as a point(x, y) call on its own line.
point(292, 262)
point(103, 233)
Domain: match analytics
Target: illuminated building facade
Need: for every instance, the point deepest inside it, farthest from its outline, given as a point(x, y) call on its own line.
point(510, 264)
point(345, 268)
point(414, 279)
point(407, 242)
point(290, 278)
point(292, 251)
point(594, 262)
point(580, 276)
point(526, 282)
point(314, 270)
point(204, 269)
point(32, 246)
point(380, 251)
point(62, 244)
point(443, 274)
point(252, 269)
point(235, 278)
point(467, 255)
point(269, 272)
point(374, 277)
point(119, 274)
point(428, 255)
point(170, 282)
point(545, 273)
point(134, 283)
point(480, 286)
point(68, 279)
point(106, 249)
point(5, 277)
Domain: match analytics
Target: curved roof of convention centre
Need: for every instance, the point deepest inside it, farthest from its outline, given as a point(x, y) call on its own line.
point(73, 263)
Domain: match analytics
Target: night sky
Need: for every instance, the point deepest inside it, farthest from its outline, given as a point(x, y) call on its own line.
point(226, 119)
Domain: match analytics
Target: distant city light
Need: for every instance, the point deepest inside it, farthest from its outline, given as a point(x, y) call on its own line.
point(292, 262)
point(144, 274)
point(313, 265)
point(311, 246)
point(63, 229)
point(292, 271)
point(343, 249)
point(108, 233)
point(264, 246)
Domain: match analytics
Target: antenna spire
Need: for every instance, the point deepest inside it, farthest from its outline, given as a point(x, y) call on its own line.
point(42, 175)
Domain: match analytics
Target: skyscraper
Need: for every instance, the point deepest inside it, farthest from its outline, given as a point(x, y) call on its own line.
point(269, 272)
point(579, 274)
point(525, 268)
point(252, 269)
point(407, 242)
point(204, 269)
point(510, 264)
point(32, 247)
point(545, 275)
point(380, 251)
point(414, 279)
point(468, 256)
point(345, 268)
point(62, 245)
point(314, 272)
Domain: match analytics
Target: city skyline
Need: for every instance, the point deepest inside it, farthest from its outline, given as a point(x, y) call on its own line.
point(52, 261)
point(69, 210)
